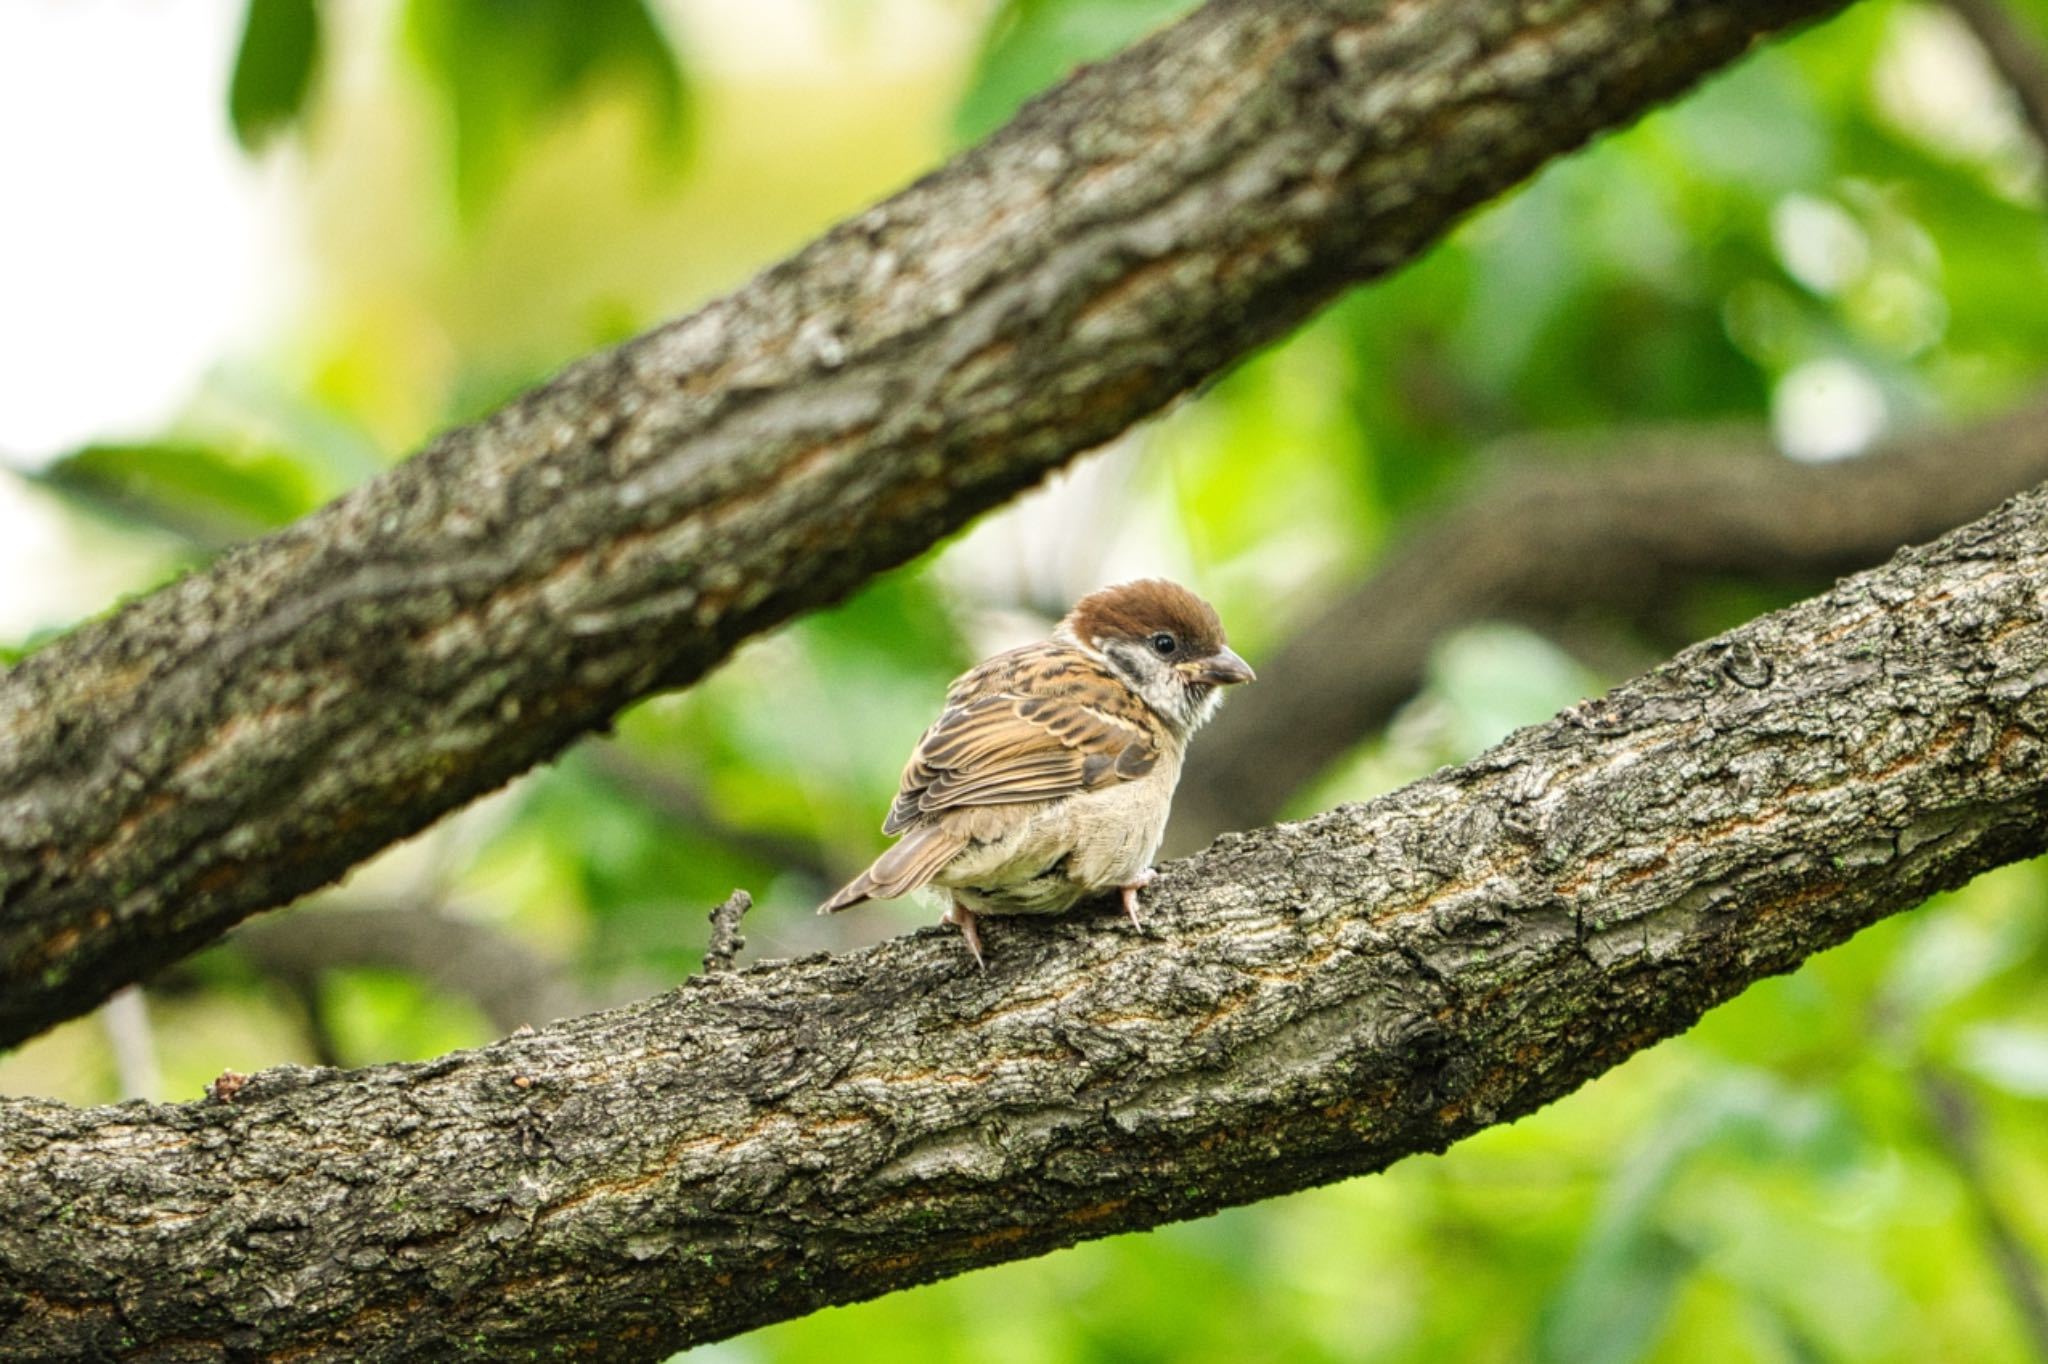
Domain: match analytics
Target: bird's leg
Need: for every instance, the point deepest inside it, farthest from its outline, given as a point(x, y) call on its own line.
point(1136, 884)
point(960, 915)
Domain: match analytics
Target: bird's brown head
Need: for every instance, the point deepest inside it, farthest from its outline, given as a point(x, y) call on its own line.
point(1165, 641)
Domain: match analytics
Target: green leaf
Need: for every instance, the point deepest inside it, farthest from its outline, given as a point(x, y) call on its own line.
point(210, 496)
point(511, 67)
point(1033, 43)
point(274, 68)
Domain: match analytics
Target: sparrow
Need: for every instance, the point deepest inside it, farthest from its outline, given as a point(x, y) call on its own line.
point(1048, 774)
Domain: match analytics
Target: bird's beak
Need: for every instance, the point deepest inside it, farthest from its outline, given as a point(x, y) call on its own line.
point(1224, 667)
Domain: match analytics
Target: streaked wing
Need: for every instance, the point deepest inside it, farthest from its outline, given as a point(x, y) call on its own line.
point(1032, 724)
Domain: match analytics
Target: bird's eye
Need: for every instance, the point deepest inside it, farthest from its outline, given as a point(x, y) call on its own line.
point(1164, 644)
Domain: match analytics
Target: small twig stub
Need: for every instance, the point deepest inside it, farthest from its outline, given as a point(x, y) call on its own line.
point(726, 941)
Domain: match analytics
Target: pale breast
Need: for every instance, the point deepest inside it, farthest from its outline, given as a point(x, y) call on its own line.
point(1063, 850)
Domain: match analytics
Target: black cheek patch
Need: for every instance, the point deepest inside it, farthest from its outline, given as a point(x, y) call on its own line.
point(1129, 664)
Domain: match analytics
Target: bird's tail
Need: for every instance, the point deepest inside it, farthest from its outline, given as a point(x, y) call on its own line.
point(861, 887)
point(902, 869)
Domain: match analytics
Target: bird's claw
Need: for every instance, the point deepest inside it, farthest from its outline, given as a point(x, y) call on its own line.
point(961, 917)
point(1130, 895)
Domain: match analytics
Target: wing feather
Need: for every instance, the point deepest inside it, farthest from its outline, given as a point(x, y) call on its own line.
point(1037, 723)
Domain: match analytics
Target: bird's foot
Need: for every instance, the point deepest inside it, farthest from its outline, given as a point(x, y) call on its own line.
point(1130, 892)
point(963, 918)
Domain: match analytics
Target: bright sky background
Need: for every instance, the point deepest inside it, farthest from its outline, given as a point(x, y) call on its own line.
point(136, 243)
point(141, 245)
point(132, 255)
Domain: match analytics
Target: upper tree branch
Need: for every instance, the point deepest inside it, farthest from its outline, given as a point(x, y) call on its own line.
point(1311, 1001)
point(1621, 530)
point(251, 732)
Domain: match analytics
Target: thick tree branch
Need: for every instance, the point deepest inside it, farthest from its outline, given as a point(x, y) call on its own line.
point(1313, 1001)
point(1621, 530)
point(249, 733)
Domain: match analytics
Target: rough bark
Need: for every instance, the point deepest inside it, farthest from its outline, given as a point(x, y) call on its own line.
point(1311, 1001)
point(1620, 528)
point(249, 733)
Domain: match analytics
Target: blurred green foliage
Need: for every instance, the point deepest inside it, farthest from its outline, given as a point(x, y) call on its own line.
point(507, 67)
point(274, 66)
point(212, 495)
point(1032, 44)
point(1777, 1185)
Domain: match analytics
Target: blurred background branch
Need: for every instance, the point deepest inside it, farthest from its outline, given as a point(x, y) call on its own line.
point(513, 985)
point(1953, 1113)
point(1624, 528)
point(2016, 54)
point(675, 800)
